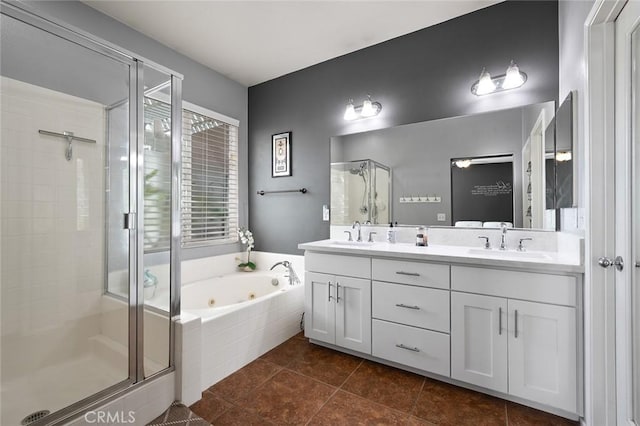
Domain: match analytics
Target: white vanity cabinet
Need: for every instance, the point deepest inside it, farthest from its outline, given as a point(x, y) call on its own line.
point(525, 348)
point(338, 300)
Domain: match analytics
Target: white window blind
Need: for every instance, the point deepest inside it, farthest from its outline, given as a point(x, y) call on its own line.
point(209, 180)
point(209, 177)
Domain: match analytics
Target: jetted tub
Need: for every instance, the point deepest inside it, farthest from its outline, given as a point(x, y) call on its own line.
point(244, 315)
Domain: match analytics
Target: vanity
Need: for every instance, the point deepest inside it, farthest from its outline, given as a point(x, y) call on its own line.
point(506, 323)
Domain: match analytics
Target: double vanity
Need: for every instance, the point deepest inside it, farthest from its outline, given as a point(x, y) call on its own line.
point(504, 322)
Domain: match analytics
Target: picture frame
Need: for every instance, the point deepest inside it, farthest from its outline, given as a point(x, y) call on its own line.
point(281, 154)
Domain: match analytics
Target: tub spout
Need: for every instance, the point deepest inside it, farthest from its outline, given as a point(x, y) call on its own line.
point(291, 273)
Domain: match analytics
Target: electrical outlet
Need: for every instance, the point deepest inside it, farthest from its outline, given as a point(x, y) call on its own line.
point(325, 213)
point(442, 217)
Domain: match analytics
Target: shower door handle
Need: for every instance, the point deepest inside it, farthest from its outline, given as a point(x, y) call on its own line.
point(129, 221)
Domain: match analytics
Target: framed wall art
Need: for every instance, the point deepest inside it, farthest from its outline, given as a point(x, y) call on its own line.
point(281, 154)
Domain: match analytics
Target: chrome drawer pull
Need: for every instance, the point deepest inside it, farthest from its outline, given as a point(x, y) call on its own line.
point(411, 274)
point(330, 291)
point(516, 323)
point(500, 321)
point(337, 292)
point(401, 346)
point(402, 305)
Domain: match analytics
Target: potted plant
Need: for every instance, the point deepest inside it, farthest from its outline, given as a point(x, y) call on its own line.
point(246, 237)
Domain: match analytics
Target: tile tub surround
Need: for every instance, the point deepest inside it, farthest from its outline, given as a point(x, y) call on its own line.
point(290, 385)
point(210, 349)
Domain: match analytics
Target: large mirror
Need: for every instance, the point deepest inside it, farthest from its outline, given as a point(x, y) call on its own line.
point(420, 159)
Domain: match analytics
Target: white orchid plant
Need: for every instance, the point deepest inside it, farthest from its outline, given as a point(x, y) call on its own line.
point(246, 237)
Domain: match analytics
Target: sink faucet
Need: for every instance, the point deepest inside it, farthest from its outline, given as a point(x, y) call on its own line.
point(356, 225)
point(503, 238)
point(291, 274)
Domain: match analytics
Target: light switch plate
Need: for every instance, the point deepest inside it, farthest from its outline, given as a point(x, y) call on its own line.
point(325, 213)
point(442, 217)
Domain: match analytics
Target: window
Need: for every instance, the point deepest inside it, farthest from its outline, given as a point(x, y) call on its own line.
point(209, 177)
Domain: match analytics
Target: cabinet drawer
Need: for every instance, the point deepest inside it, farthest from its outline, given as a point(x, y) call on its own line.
point(416, 306)
point(537, 287)
point(351, 266)
point(414, 347)
point(414, 273)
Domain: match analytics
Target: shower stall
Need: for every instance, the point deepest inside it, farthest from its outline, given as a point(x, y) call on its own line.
point(360, 190)
point(89, 163)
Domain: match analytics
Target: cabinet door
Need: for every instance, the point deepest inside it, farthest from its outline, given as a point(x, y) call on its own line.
point(479, 340)
point(319, 306)
point(353, 314)
point(542, 353)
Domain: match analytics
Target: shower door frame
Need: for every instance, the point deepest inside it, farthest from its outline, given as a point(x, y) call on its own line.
point(30, 16)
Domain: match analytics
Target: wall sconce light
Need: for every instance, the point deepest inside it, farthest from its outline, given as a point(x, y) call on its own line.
point(367, 109)
point(512, 79)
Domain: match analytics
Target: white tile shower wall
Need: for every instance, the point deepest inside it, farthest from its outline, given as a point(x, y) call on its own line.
point(145, 404)
point(52, 224)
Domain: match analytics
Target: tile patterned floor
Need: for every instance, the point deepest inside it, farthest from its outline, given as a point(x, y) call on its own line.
point(304, 384)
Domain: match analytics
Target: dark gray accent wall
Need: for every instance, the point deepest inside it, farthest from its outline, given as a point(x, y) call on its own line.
point(422, 76)
point(201, 86)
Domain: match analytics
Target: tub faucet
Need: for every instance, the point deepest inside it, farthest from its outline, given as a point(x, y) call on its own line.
point(503, 238)
point(291, 274)
point(356, 225)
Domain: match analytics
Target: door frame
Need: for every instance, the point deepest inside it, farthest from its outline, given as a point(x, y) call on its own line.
point(629, 17)
point(599, 157)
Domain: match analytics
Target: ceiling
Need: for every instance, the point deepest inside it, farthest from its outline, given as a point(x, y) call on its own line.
point(255, 41)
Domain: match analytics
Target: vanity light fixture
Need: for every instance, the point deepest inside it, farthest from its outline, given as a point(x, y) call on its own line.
point(512, 79)
point(367, 109)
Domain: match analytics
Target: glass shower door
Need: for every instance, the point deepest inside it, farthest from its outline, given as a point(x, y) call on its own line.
point(66, 177)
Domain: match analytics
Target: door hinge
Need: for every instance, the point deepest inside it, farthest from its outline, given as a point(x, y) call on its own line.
point(129, 221)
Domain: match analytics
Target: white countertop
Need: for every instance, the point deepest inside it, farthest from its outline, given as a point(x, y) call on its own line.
point(540, 261)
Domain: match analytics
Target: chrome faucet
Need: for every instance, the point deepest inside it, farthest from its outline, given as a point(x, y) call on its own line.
point(293, 277)
point(359, 239)
point(503, 238)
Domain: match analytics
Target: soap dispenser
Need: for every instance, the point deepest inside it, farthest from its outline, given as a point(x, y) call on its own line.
point(391, 234)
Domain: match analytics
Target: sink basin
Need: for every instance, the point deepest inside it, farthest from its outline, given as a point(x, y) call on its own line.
point(509, 254)
point(352, 243)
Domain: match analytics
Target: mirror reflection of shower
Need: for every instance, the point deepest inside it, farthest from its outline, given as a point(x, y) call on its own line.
point(360, 190)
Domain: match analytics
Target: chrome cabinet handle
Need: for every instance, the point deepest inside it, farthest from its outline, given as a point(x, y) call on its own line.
point(402, 305)
point(411, 274)
point(329, 291)
point(500, 321)
point(516, 328)
point(337, 292)
point(401, 346)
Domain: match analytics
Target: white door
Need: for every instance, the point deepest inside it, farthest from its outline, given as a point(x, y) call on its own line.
point(319, 306)
point(627, 141)
point(479, 340)
point(353, 313)
point(542, 353)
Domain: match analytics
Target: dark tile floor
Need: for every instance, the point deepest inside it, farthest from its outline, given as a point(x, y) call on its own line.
point(305, 384)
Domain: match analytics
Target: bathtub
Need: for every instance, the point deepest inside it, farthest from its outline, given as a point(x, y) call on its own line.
point(214, 296)
point(230, 320)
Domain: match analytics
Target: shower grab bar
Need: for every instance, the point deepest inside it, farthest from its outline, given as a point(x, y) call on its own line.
point(70, 137)
point(302, 190)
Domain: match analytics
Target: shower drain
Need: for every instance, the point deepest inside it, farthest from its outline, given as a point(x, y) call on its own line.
point(34, 417)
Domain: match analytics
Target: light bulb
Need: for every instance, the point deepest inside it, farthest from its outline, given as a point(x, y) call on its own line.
point(485, 84)
point(563, 156)
point(367, 108)
point(350, 112)
point(513, 78)
point(463, 164)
